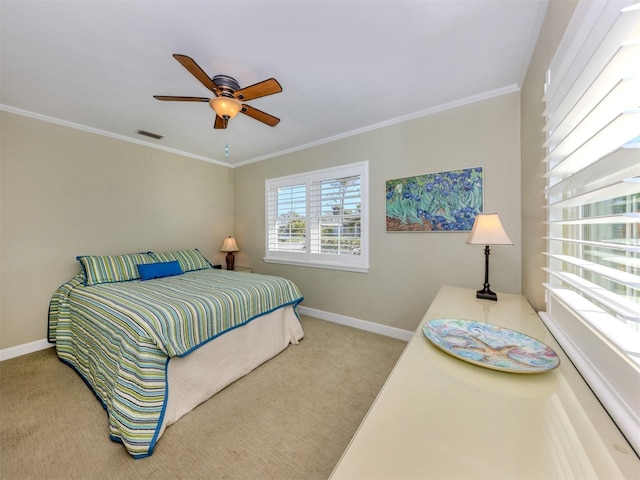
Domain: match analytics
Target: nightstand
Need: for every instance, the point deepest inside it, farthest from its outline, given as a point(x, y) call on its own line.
point(240, 268)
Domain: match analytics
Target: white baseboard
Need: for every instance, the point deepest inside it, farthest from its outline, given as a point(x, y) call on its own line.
point(386, 330)
point(357, 323)
point(23, 349)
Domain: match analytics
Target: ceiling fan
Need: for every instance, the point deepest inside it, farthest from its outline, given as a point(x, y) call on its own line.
point(227, 102)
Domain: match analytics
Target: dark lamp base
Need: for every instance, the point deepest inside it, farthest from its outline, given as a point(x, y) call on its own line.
point(230, 260)
point(486, 294)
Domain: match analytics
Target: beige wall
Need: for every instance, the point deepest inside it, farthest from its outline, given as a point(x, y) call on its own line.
point(407, 269)
point(533, 214)
point(66, 192)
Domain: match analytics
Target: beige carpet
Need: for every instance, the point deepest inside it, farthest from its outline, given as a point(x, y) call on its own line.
point(291, 418)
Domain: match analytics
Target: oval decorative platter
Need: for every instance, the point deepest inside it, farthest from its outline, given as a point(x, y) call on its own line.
point(491, 346)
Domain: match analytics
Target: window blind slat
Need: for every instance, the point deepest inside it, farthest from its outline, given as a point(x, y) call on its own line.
point(624, 278)
point(623, 307)
point(619, 189)
point(609, 245)
point(622, 129)
point(602, 220)
point(621, 164)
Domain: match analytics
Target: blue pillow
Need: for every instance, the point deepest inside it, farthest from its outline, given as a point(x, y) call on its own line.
point(149, 271)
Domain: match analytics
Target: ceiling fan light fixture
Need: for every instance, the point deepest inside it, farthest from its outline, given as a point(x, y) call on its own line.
point(229, 97)
point(225, 107)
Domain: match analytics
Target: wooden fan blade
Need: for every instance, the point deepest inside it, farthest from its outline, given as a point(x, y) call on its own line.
point(220, 122)
point(257, 90)
point(170, 98)
point(195, 70)
point(260, 115)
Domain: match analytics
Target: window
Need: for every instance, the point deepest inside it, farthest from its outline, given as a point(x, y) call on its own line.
point(319, 218)
point(593, 203)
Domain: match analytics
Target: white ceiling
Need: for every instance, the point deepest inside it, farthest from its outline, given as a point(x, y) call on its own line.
point(345, 66)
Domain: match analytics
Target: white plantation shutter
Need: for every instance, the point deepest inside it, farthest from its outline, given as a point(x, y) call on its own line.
point(593, 201)
point(335, 216)
point(286, 222)
point(319, 218)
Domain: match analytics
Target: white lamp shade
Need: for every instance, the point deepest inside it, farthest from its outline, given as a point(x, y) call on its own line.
point(487, 230)
point(225, 107)
point(229, 245)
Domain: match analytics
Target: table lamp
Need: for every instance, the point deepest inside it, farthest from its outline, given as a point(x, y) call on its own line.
point(229, 245)
point(487, 230)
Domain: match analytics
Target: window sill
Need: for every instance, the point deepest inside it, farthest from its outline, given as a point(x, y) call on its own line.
point(325, 265)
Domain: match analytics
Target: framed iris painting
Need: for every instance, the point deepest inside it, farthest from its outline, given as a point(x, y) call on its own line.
point(435, 202)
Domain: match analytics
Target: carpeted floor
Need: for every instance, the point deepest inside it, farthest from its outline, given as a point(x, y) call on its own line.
point(291, 418)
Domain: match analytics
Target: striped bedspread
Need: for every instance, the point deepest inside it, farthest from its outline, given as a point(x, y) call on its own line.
point(120, 336)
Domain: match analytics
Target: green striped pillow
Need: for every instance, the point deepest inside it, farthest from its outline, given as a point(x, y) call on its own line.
point(112, 268)
point(189, 260)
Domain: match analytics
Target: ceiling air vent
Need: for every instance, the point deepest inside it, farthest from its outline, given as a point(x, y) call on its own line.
point(150, 134)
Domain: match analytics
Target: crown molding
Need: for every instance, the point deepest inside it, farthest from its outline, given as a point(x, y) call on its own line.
point(422, 113)
point(404, 118)
point(104, 133)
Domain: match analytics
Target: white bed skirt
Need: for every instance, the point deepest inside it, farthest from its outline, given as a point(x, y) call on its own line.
point(204, 372)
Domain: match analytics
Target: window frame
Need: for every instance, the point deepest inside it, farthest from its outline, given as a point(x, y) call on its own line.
point(307, 258)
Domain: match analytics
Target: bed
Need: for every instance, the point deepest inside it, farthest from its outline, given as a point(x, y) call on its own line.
point(156, 334)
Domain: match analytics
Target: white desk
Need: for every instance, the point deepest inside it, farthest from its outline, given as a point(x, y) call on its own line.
point(439, 417)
